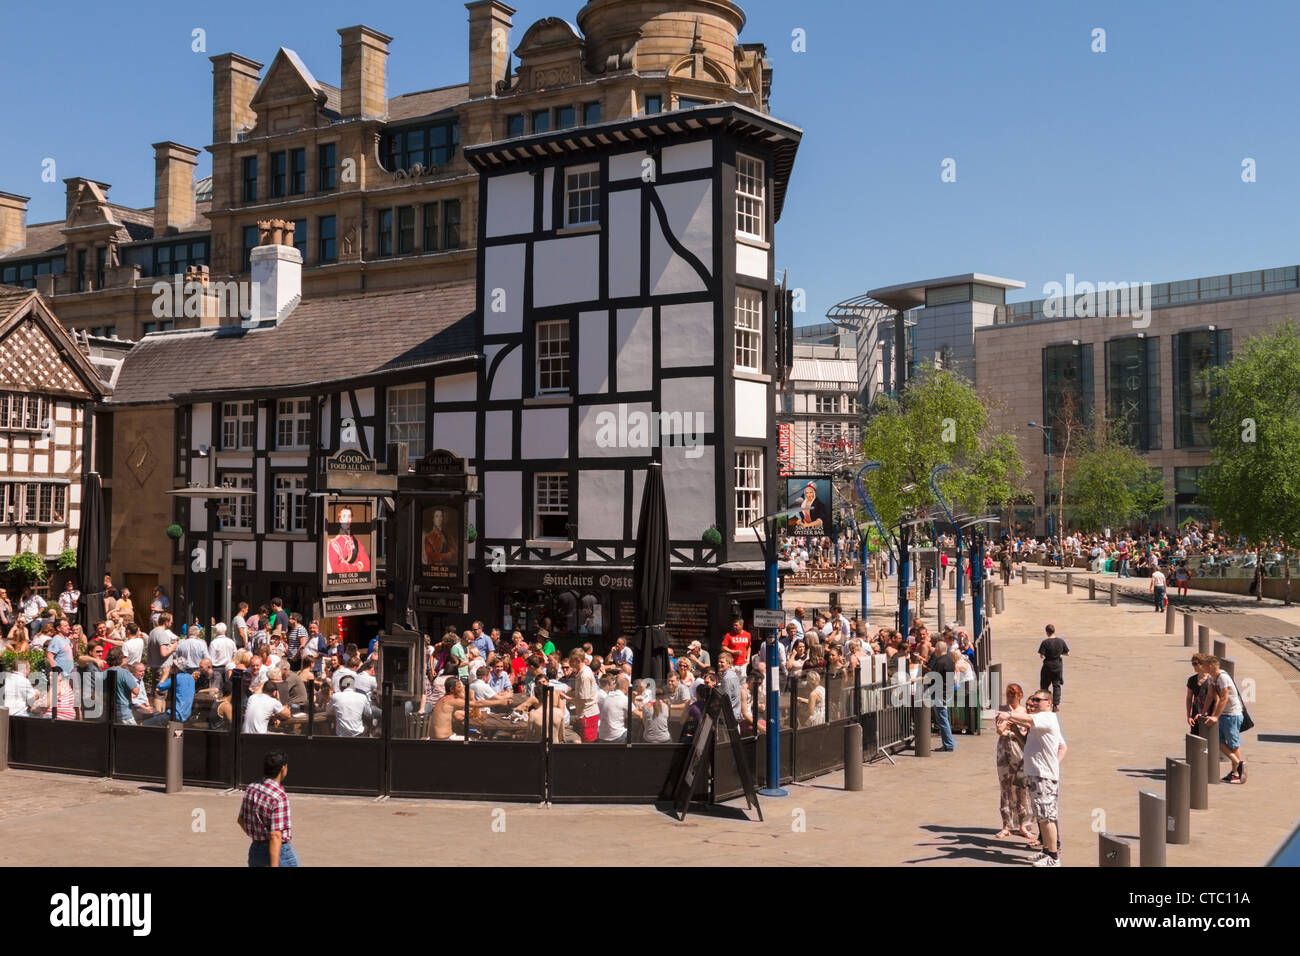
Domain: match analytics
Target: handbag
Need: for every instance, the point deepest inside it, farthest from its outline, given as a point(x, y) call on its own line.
point(1246, 722)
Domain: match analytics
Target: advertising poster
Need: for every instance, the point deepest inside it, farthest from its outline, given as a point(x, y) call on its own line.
point(349, 545)
point(808, 500)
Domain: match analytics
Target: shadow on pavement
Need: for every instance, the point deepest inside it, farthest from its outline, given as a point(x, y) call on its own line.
point(975, 845)
point(1154, 773)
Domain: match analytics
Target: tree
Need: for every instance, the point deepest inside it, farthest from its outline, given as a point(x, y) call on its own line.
point(1111, 485)
point(937, 420)
point(1070, 427)
point(1252, 484)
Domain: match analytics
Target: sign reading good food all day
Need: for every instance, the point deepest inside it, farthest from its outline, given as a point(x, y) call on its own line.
point(350, 460)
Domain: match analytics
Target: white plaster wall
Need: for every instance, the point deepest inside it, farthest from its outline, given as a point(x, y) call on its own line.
point(503, 504)
point(751, 409)
point(593, 351)
point(689, 487)
point(626, 165)
point(669, 273)
point(456, 388)
point(751, 261)
point(510, 204)
point(635, 351)
point(590, 419)
point(508, 382)
point(625, 243)
point(544, 433)
point(689, 206)
point(503, 269)
point(366, 402)
point(274, 555)
point(455, 432)
point(566, 270)
point(304, 556)
point(201, 426)
point(686, 335)
point(600, 504)
point(686, 156)
point(693, 397)
point(498, 441)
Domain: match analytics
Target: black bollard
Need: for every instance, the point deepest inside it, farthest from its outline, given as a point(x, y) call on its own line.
point(853, 756)
point(921, 717)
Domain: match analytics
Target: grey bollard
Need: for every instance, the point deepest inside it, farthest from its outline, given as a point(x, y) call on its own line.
point(1114, 595)
point(1198, 792)
point(1178, 784)
point(1113, 851)
point(1169, 618)
point(961, 613)
point(922, 725)
point(1069, 582)
point(175, 755)
point(1189, 623)
point(1151, 829)
point(1220, 649)
point(1047, 579)
point(995, 686)
point(1210, 734)
point(1002, 600)
point(1228, 666)
point(853, 756)
point(1203, 638)
point(4, 738)
point(1092, 589)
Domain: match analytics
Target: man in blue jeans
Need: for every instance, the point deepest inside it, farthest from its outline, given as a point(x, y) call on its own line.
point(939, 690)
point(265, 816)
point(1158, 588)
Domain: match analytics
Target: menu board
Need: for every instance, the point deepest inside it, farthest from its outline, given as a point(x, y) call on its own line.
point(686, 622)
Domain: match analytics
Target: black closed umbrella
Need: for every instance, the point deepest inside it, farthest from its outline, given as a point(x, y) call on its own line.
point(650, 580)
point(92, 542)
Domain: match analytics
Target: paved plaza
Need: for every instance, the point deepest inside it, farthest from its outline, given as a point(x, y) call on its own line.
point(1122, 715)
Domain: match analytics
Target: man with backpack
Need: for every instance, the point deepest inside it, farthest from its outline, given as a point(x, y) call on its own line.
point(1230, 714)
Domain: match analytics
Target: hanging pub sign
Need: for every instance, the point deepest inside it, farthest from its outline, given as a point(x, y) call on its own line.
point(442, 544)
point(348, 545)
point(441, 463)
point(349, 605)
point(785, 449)
point(808, 501)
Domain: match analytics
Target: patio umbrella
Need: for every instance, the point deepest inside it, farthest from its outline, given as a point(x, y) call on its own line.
point(650, 580)
point(92, 540)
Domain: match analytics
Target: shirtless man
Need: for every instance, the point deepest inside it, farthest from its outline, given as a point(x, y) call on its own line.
point(449, 712)
point(536, 711)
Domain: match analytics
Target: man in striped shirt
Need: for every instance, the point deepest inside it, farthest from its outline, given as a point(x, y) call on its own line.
point(265, 816)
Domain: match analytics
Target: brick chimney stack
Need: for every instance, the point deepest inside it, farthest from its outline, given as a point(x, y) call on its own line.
point(13, 221)
point(489, 45)
point(235, 79)
point(364, 73)
point(173, 186)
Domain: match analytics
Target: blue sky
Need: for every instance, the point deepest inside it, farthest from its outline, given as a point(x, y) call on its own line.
point(1123, 165)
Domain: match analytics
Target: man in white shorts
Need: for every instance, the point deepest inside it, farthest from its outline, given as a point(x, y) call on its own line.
point(1044, 751)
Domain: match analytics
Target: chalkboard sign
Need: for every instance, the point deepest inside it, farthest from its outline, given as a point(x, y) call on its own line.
point(686, 621)
point(717, 707)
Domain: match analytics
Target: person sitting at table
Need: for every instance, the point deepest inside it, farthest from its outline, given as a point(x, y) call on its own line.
point(536, 711)
point(652, 713)
point(291, 690)
point(351, 709)
point(449, 712)
point(481, 691)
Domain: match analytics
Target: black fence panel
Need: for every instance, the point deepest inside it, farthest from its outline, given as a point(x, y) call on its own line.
point(496, 770)
point(617, 773)
point(819, 749)
point(319, 765)
point(206, 757)
point(787, 759)
point(70, 746)
point(140, 753)
point(726, 778)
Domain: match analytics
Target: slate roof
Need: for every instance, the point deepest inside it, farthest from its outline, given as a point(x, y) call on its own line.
point(425, 102)
point(321, 340)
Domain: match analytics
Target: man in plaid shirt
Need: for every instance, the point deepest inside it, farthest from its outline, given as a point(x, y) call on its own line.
point(265, 816)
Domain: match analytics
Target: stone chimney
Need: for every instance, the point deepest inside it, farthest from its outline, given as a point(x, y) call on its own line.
point(276, 270)
point(234, 81)
point(173, 186)
point(364, 73)
point(13, 221)
point(489, 45)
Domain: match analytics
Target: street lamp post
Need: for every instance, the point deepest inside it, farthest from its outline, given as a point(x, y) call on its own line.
point(1047, 505)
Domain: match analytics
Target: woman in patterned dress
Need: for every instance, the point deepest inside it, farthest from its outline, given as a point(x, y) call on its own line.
point(1016, 812)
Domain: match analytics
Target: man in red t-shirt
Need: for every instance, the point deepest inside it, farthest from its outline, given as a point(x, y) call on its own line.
point(737, 641)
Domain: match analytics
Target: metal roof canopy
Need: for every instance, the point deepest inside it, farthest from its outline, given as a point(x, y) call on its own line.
point(909, 295)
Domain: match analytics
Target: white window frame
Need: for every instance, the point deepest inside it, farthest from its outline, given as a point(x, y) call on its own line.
point(751, 197)
point(241, 506)
point(290, 510)
point(238, 426)
point(833, 401)
point(29, 413)
point(552, 364)
point(406, 418)
point(747, 504)
point(582, 206)
point(293, 423)
point(34, 503)
point(749, 330)
point(550, 499)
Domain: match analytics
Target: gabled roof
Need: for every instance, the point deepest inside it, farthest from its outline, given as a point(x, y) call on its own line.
point(37, 353)
point(289, 79)
point(426, 102)
point(321, 340)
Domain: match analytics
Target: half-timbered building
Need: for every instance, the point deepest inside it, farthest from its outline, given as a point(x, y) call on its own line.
point(48, 388)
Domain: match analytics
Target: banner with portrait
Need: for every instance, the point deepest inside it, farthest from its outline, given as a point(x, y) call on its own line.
point(348, 545)
point(441, 537)
point(809, 507)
